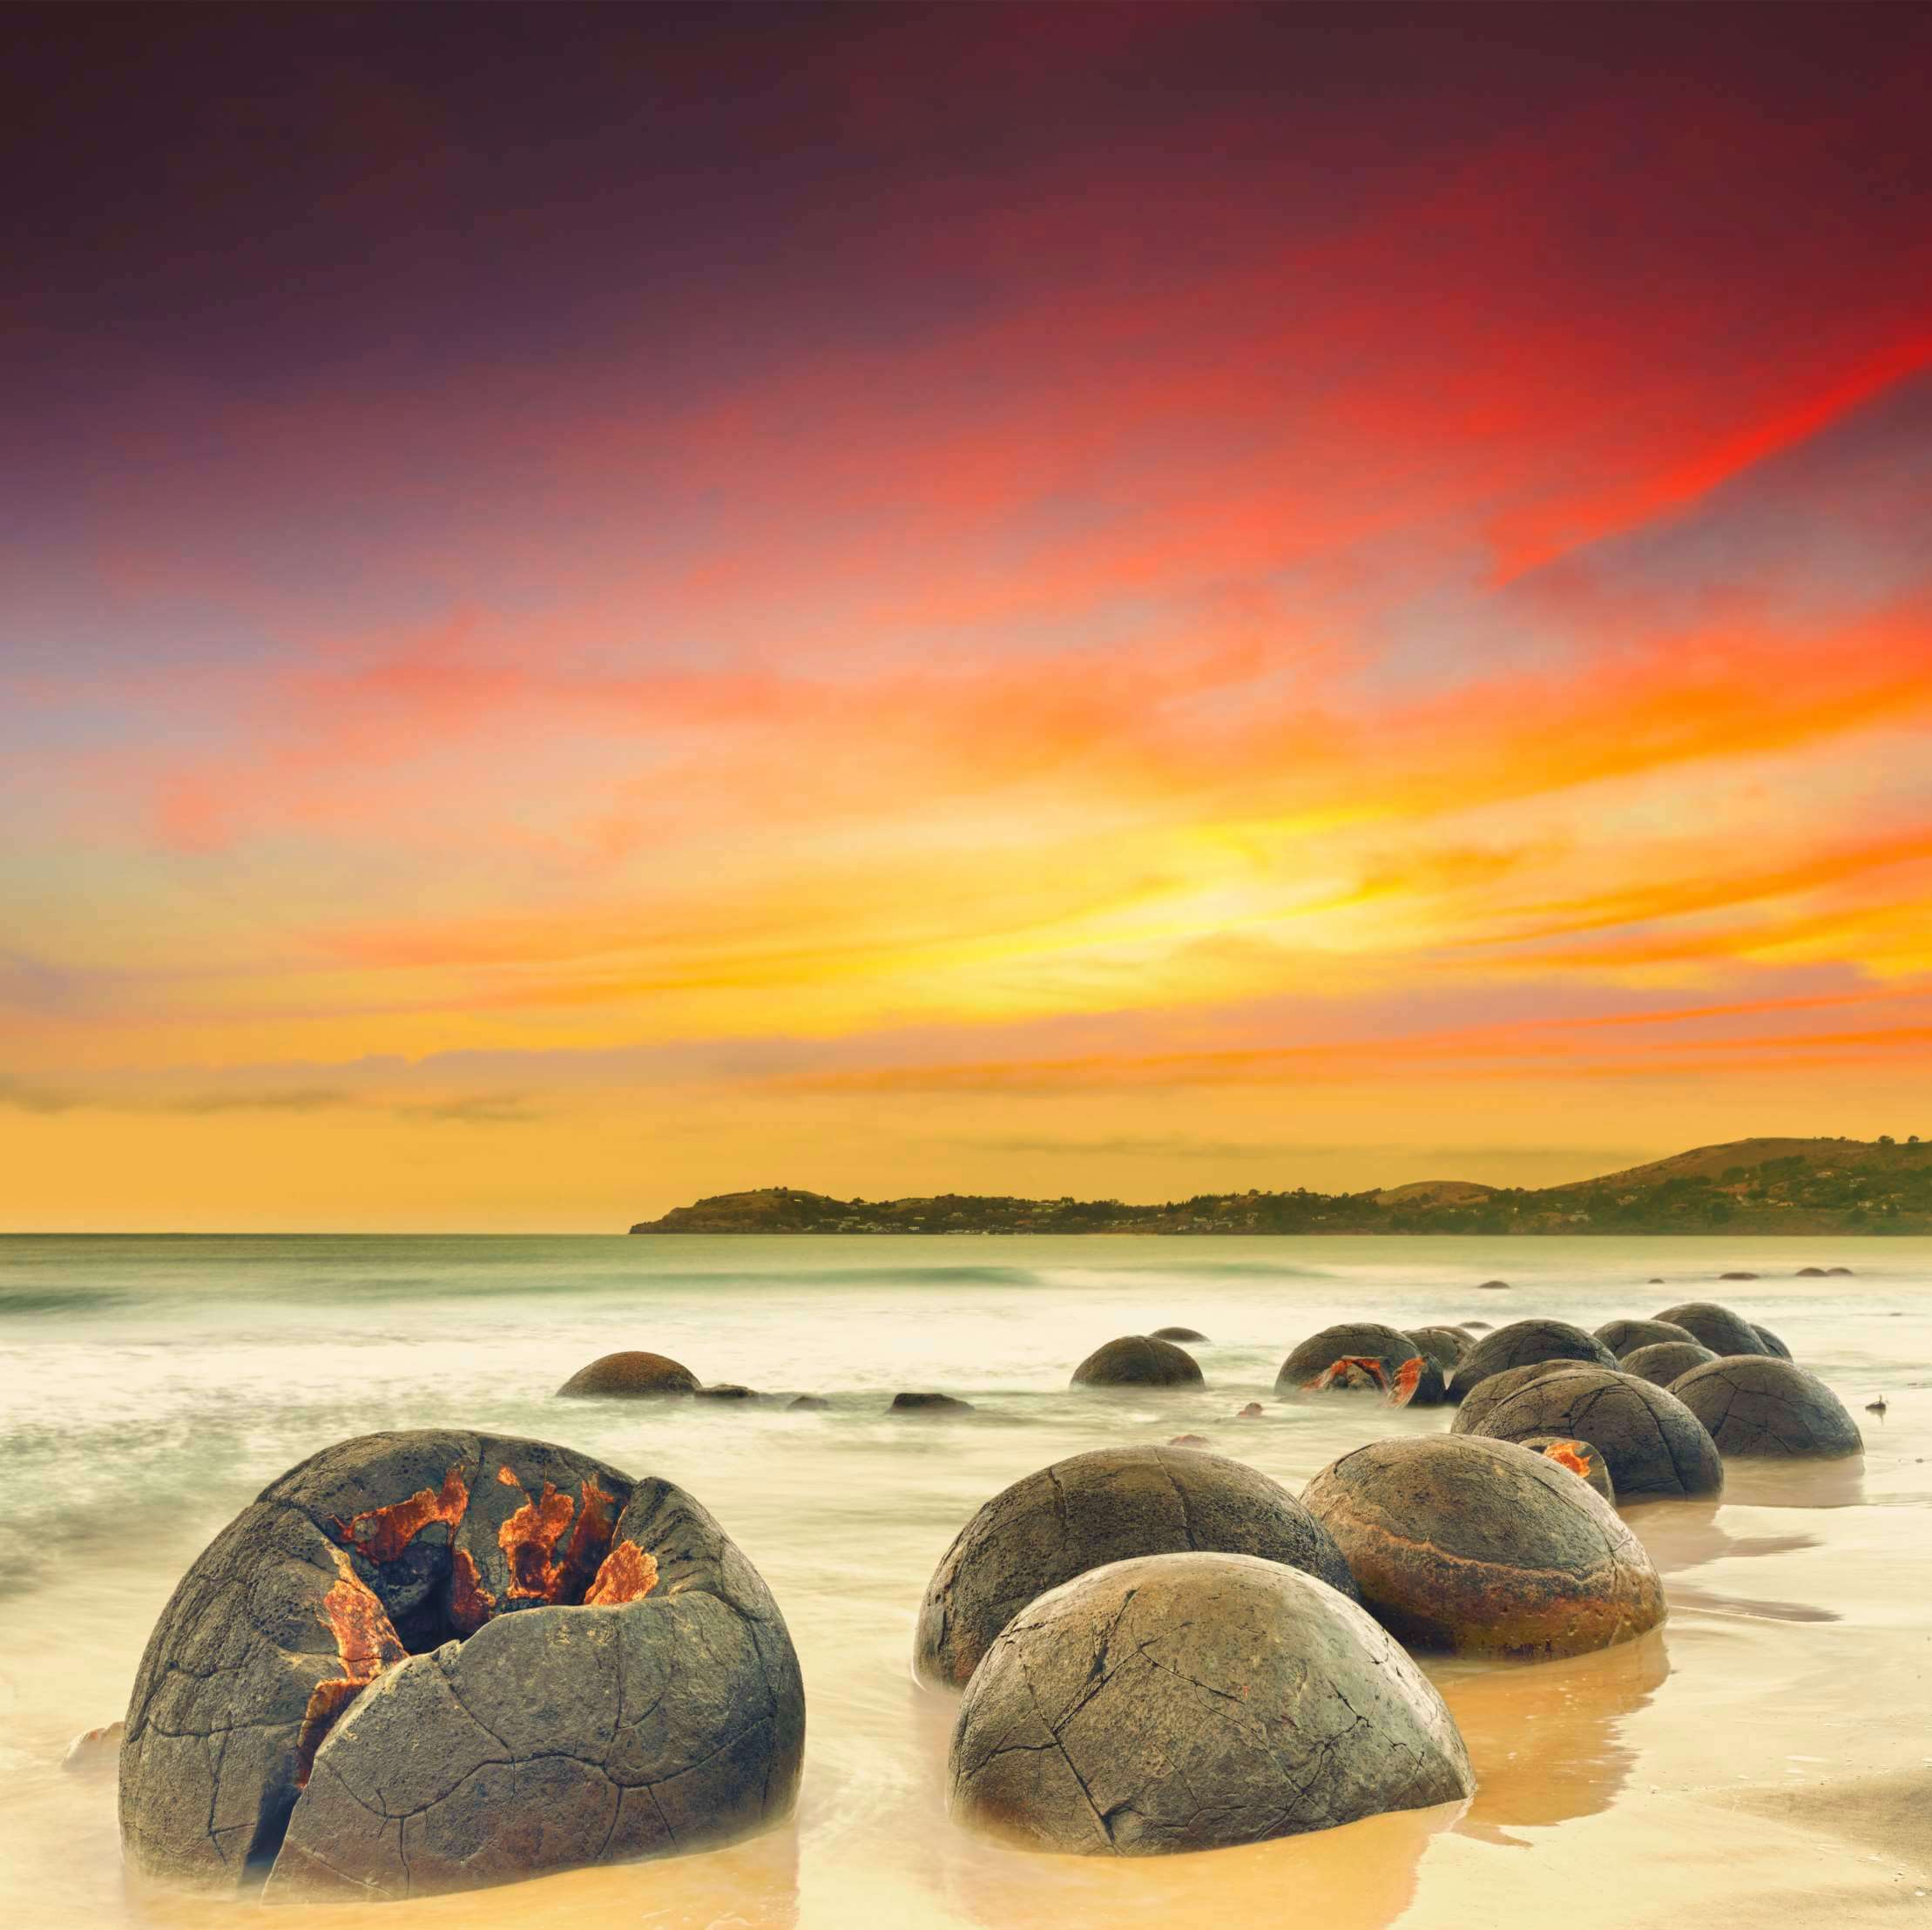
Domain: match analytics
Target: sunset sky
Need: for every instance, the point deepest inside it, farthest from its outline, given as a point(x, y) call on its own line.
point(608, 605)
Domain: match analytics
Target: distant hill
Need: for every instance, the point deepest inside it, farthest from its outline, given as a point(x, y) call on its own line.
point(1745, 1186)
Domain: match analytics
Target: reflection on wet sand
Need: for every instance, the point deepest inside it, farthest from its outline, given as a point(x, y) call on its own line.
point(1546, 1737)
point(1363, 1875)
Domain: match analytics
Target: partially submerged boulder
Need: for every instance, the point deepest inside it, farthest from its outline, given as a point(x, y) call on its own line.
point(635, 1376)
point(430, 1660)
point(1522, 1343)
point(1190, 1702)
point(1442, 1346)
point(1479, 1546)
point(1752, 1405)
point(1107, 1505)
point(1176, 1333)
point(933, 1405)
point(1716, 1328)
point(1670, 1361)
point(1138, 1361)
point(1622, 1338)
point(1652, 1443)
point(1361, 1356)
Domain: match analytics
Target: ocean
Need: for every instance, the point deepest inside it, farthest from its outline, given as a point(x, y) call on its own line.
point(1732, 1762)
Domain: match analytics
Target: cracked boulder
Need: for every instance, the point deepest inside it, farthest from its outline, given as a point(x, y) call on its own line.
point(1497, 1387)
point(1651, 1442)
point(1138, 1361)
point(1758, 1404)
point(1361, 1357)
point(1486, 1547)
point(1442, 1347)
point(1191, 1702)
point(1622, 1338)
point(1716, 1328)
point(1667, 1361)
point(1524, 1343)
point(1108, 1506)
point(425, 1661)
point(1772, 1344)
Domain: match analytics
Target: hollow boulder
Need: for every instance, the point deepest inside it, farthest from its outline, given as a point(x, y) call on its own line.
point(430, 1660)
point(1653, 1444)
point(1361, 1356)
point(1191, 1702)
point(1138, 1361)
point(1479, 1546)
point(1580, 1458)
point(1110, 1505)
point(1756, 1406)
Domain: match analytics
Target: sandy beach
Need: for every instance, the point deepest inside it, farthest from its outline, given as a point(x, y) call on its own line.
point(1763, 1759)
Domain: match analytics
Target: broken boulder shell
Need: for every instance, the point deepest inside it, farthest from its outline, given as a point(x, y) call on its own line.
point(1652, 1442)
point(1361, 1356)
point(1138, 1361)
point(1754, 1405)
point(1478, 1547)
point(1107, 1505)
point(1580, 1458)
point(427, 1661)
point(1191, 1702)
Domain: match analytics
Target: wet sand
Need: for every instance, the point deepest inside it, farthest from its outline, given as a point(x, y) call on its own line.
point(1764, 1759)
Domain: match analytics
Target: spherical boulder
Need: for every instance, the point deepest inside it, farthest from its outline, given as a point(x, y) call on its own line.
point(1192, 1702)
point(1737, 1275)
point(1752, 1405)
point(1361, 1356)
point(1138, 1361)
point(1176, 1333)
point(1622, 1338)
point(1497, 1387)
point(1772, 1344)
point(1714, 1326)
point(1652, 1443)
point(630, 1377)
point(1579, 1457)
point(1442, 1346)
point(1522, 1342)
point(428, 1660)
point(1480, 1547)
point(935, 1405)
point(1108, 1505)
point(1670, 1360)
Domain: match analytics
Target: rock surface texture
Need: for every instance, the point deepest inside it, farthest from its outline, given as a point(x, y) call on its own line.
point(1524, 1343)
point(1669, 1361)
point(1652, 1443)
point(1138, 1361)
point(630, 1377)
point(1497, 1387)
point(1752, 1405)
point(1108, 1506)
point(1190, 1702)
point(1622, 1338)
point(427, 1661)
point(1478, 1546)
point(1716, 1328)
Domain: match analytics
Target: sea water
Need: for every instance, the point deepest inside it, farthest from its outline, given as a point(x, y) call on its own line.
point(150, 1386)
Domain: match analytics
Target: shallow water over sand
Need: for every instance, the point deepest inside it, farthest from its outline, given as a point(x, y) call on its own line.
point(1765, 1758)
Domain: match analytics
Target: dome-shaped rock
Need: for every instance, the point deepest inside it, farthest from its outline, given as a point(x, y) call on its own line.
point(1190, 1702)
point(1497, 1386)
point(1756, 1406)
point(1772, 1344)
point(630, 1377)
point(1669, 1360)
point(1442, 1346)
point(1622, 1338)
point(1652, 1442)
point(932, 1404)
point(1107, 1505)
point(1138, 1361)
point(1714, 1326)
point(1481, 1547)
point(1523, 1342)
point(436, 1660)
point(1362, 1356)
point(1176, 1333)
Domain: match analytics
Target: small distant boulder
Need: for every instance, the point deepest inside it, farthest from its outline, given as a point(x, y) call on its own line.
point(1188, 1441)
point(1478, 1546)
point(1625, 1337)
point(933, 1404)
point(1492, 1286)
point(1714, 1326)
point(1812, 1273)
point(1836, 1271)
point(630, 1377)
point(1523, 1342)
point(809, 1403)
point(1252, 1411)
point(1194, 1702)
point(1753, 1406)
point(1108, 1505)
point(1176, 1333)
point(1138, 1361)
point(726, 1390)
point(1667, 1361)
point(1737, 1275)
point(1652, 1442)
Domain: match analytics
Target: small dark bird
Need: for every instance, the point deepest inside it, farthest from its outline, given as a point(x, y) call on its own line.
point(1876, 1407)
